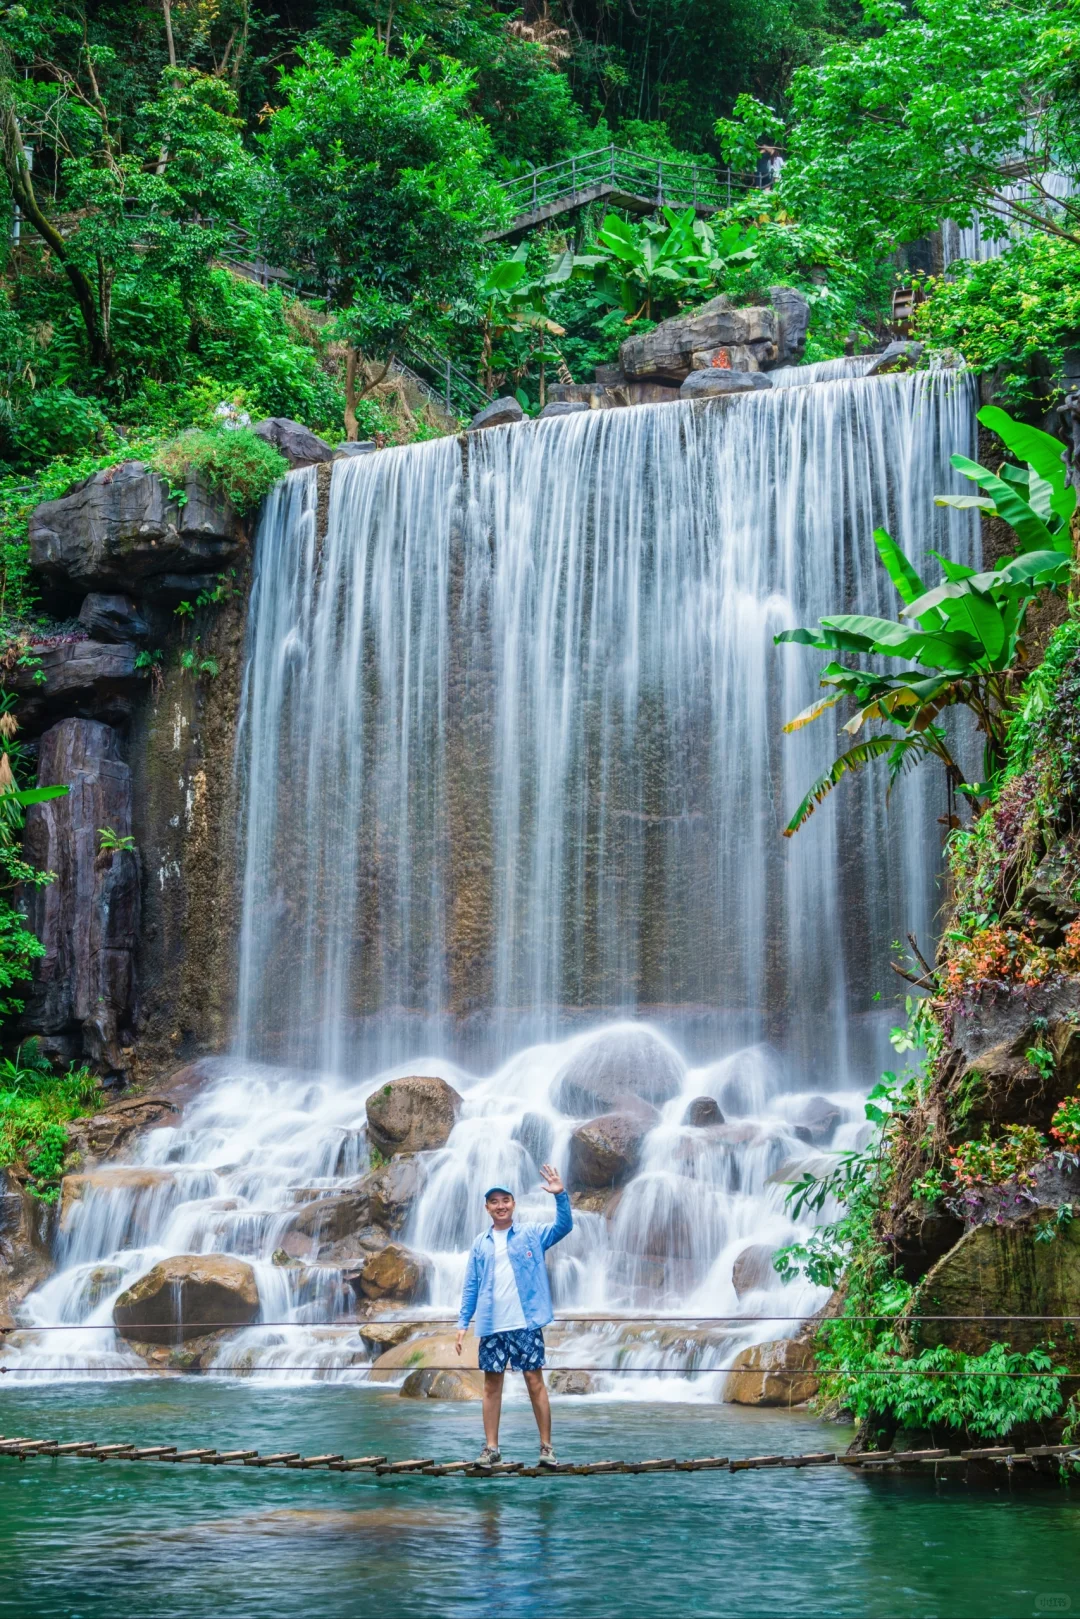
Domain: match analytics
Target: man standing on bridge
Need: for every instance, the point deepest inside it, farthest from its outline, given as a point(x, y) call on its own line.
point(507, 1289)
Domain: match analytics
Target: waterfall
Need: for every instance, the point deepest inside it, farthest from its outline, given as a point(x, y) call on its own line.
point(513, 786)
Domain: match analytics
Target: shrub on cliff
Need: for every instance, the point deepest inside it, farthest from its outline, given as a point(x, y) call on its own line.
point(235, 463)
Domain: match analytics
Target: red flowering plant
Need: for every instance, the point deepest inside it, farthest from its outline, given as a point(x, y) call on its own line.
point(996, 952)
point(1065, 1125)
point(1012, 1156)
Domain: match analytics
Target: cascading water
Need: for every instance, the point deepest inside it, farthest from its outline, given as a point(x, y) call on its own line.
point(513, 785)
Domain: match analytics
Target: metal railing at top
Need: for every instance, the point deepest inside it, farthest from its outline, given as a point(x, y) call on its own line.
point(655, 180)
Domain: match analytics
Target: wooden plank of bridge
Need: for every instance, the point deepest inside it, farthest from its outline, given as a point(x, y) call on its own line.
point(442, 1469)
point(189, 1456)
point(358, 1463)
point(655, 1465)
point(150, 1453)
point(919, 1455)
point(75, 1447)
point(697, 1464)
point(278, 1459)
point(316, 1461)
point(108, 1453)
point(411, 1465)
point(821, 1458)
point(755, 1461)
point(229, 1456)
point(862, 1456)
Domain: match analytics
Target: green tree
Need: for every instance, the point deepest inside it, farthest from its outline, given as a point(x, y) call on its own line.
point(149, 200)
point(376, 180)
point(962, 640)
point(938, 115)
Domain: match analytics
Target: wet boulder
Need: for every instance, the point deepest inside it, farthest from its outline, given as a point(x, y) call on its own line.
point(105, 1135)
point(437, 1384)
point(777, 1373)
point(92, 680)
point(900, 355)
point(414, 1114)
point(142, 1191)
point(816, 1121)
point(571, 1381)
point(753, 1268)
point(535, 1133)
point(703, 1111)
point(185, 1297)
point(607, 1150)
point(423, 1351)
point(299, 446)
point(562, 407)
point(321, 1225)
point(392, 1190)
point(616, 1066)
point(392, 1275)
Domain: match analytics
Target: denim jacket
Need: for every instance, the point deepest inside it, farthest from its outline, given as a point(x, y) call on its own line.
point(525, 1248)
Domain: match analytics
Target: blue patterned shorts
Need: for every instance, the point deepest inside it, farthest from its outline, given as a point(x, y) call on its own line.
point(521, 1351)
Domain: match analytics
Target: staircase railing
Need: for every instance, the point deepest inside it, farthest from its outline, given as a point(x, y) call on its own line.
point(657, 180)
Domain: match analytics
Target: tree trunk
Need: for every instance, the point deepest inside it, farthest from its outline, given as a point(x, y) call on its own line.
point(350, 394)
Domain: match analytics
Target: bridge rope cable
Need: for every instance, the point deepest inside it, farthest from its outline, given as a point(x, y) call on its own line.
point(345, 1323)
point(390, 1371)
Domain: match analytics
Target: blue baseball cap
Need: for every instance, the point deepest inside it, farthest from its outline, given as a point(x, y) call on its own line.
point(493, 1189)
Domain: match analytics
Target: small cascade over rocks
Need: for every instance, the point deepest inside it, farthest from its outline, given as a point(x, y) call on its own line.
point(515, 891)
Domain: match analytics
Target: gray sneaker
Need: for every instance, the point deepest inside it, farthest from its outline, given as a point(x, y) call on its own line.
point(488, 1456)
point(548, 1457)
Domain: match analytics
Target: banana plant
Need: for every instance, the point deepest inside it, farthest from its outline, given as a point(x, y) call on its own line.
point(514, 307)
point(671, 256)
point(962, 639)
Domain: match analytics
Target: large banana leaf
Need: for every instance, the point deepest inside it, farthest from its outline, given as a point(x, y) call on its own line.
point(1031, 531)
point(900, 570)
point(875, 747)
point(1040, 450)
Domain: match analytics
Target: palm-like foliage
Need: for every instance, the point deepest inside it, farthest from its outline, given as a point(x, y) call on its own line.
point(962, 639)
point(669, 256)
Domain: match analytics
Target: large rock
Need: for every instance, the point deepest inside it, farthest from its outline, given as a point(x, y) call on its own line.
point(562, 407)
point(612, 396)
point(392, 1191)
point(753, 1268)
point(425, 1350)
point(714, 382)
point(500, 413)
point(793, 322)
point(134, 1197)
point(414, 1114)
point(26, 1225)
point(184, 1297)
point(989, 1079)
point(776, 1373)
point(702, 1112)
point(900, 355)
point(666, 353)
point(299, 446)
point(394, 1275)
point(105, 1135)
point(817, 1120)
point(319, 1228)
point(536, 1134)
point(616, 1065)
point(113, 618)
point(606, 1151)
point(91, 680)
point(88, 919)
point(1006, 1270)
point(440, 1385)
point(121, 530)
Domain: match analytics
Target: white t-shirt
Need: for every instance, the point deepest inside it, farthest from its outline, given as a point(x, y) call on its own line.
point(507, 1315)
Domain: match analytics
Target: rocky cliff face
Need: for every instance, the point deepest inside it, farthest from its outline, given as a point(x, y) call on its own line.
point(139, 940)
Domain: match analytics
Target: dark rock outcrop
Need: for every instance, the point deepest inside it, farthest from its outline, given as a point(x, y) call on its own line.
point(88, 919)
point(413, 1114)
point(500, 413)
point(113, 618)
point(817, 1120)
point(666, 353)
point(93, 680)
point(562, 407)
point(716, 381)
point(105, 1135)
point(299, 446)
point(607, 1150)
point(120, 530)
point(793, 323)
point(25, 1246)
point(1005, 1270)
point(614, 1066)
point(184, 1297)
point(990, 1079)
point(353, 447)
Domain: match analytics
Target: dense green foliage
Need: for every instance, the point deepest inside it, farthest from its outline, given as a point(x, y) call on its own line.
point(35, 1105)
point(964, 638)
point(234, 462)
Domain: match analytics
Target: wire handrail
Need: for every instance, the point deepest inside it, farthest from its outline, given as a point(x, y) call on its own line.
point(352, 1324)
